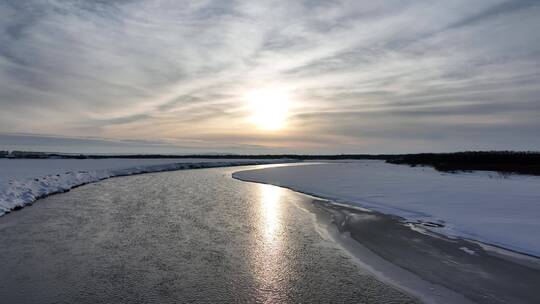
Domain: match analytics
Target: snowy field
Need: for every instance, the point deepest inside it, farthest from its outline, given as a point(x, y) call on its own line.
point(484, 206)
point(22, 181)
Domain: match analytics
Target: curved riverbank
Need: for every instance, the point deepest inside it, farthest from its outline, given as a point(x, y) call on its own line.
point(31, 180)
point(462, 266)
point(395, 249)
point(480, 206)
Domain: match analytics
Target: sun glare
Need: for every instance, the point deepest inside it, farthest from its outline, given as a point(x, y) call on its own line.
point(269, 108)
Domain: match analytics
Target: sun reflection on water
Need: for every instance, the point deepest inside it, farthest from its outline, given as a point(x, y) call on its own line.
point(270, 200)
point(269, 266)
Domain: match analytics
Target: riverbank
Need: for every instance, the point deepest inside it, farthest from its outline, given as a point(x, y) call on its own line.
point(23, 181)
point(484, 206)
point(433, 267)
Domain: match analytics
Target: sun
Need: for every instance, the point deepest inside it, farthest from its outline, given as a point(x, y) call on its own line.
point(269, 108)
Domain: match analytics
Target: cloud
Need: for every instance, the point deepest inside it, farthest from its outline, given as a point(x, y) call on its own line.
point(384, 76)
point(52, 143)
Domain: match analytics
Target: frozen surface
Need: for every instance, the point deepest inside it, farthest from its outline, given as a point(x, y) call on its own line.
point(485, 206)
point(22, 181)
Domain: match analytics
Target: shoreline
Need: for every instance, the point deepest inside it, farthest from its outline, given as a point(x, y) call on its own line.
point(459, 265)
point(22, 193)
point(437, 223)
point(420, 226)
point(450, 267)
point(382, 269)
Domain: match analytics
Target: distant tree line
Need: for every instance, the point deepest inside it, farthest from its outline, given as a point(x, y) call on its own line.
point(26, 154)
point(501, 161)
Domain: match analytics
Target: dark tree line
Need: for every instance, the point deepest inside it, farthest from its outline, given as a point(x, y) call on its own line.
point(501, 161)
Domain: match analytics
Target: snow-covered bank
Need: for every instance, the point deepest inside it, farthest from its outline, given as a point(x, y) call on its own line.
point(22, 181)
point(482, 206)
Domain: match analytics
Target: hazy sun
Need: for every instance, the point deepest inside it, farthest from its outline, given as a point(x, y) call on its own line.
point(269, 108)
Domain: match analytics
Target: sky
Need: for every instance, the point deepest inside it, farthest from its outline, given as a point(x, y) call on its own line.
point(256, 77)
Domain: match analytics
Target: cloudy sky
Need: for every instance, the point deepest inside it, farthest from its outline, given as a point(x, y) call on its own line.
point(269, 76)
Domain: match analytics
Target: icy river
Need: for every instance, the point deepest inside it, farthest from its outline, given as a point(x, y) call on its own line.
point(193, 236)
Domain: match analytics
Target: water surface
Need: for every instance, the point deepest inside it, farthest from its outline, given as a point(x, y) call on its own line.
point(184, 236)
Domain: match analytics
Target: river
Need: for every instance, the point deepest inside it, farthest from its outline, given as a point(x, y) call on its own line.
point(183, 236)
point(201, 236)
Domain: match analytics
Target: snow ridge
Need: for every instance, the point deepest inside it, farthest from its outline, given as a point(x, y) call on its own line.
point(21, 192)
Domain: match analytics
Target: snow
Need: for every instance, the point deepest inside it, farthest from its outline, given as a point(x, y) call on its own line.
point(22, 181)
point(483, 206)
